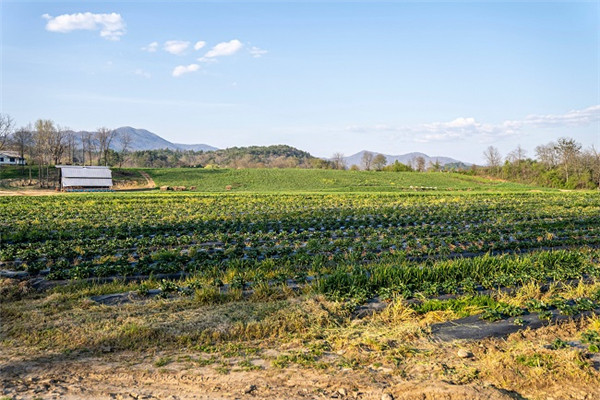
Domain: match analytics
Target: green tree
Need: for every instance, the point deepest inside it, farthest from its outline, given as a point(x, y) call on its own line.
point(568, 150)
point(379, 162)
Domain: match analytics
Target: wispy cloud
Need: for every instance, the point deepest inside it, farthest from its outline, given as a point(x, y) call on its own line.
point(459, 128)
point(199, 44)
point(465, 128)
point(151, 48)
point(184, 69)
point(224, 49)
point(111, 26)
point(176, 47)
point(142, 73)
point(572, 118)
point(207, 60)
point(257, 52)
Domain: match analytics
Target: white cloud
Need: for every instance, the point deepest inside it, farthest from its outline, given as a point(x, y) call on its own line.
point(199, 44)
point(571, 118)
point(224, 49)
point(468, 128)
point(459, 128)
point(184, 69)
point(151, 48)
point(176, 46)
point(257, 52)
point(142, 73)
point(111, 26)
point(207, 60)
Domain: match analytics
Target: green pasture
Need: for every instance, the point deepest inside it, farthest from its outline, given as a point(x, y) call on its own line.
point(313, 180)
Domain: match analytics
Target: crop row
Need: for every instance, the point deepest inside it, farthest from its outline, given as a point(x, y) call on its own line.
point(107, 234)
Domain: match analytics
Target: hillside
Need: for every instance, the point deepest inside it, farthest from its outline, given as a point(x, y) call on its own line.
point(142, 139)
point(279, 156)
point(407, 159)
point(317, 180)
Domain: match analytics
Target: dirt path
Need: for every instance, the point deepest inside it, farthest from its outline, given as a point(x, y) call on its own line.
point(149, 181)
point(28, 192)
point(132, 376)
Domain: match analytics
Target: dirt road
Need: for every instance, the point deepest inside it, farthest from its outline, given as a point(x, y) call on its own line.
point(131, 376)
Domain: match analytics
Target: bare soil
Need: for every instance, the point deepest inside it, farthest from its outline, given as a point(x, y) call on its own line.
point(149, 181)
point(132, 376)
point(107, 374)
point(29, 192)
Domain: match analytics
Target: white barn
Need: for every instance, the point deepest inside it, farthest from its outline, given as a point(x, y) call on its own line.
point(11, 158)
point(77, 178)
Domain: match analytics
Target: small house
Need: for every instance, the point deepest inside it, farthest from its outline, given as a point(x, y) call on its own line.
point(11, 158)
point(74, 178)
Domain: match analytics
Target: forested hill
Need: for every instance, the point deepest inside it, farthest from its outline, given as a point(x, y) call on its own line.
point(277, 156)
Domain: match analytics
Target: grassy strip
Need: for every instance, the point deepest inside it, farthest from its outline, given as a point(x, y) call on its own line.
point(457, 276)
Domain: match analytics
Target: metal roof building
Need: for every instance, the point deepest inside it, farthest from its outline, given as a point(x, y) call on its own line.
point(74, 177)
point(11, 158)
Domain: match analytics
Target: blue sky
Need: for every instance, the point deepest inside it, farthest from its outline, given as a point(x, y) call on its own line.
point(448, 78)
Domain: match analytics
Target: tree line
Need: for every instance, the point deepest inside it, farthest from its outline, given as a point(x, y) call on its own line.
point(559, 164)
point(378, 162)
point(46, 143)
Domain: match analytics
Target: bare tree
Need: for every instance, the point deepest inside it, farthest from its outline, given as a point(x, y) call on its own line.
point(71, 144)
point(104, 137)
point(6, 127)
point(379, 162)
point(338, 161)
point(44, 129)
point(88, 146)
point(57, 143)
point(547, 154)
point(125, 138)
point(517, 155)
point(420, 164)
point(367, 160)
point(23, 140)
point(592, 157)
point(492, 157)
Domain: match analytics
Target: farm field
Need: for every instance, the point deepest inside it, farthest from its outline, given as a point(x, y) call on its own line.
point(322, 180)
point(269, 180)
point(482, 294)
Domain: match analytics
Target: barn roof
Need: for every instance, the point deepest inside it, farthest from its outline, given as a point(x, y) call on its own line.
point(85, 176)
point(70, 171)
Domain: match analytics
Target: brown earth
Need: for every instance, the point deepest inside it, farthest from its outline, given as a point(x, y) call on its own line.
point(126, 376)
point(149, 181)
point(29, 192)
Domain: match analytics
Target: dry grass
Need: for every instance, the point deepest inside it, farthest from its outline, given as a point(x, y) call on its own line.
point(525, 361)
point(283, 330)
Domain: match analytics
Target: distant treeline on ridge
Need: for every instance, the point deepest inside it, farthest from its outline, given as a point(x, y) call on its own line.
point(560, 164)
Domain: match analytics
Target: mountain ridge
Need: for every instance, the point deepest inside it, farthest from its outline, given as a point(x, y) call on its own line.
point(407, 159)
point(143, 139)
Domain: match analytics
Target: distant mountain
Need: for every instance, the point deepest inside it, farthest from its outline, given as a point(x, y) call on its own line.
point(195, 147)
point(406, 159)
point(141, 139)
